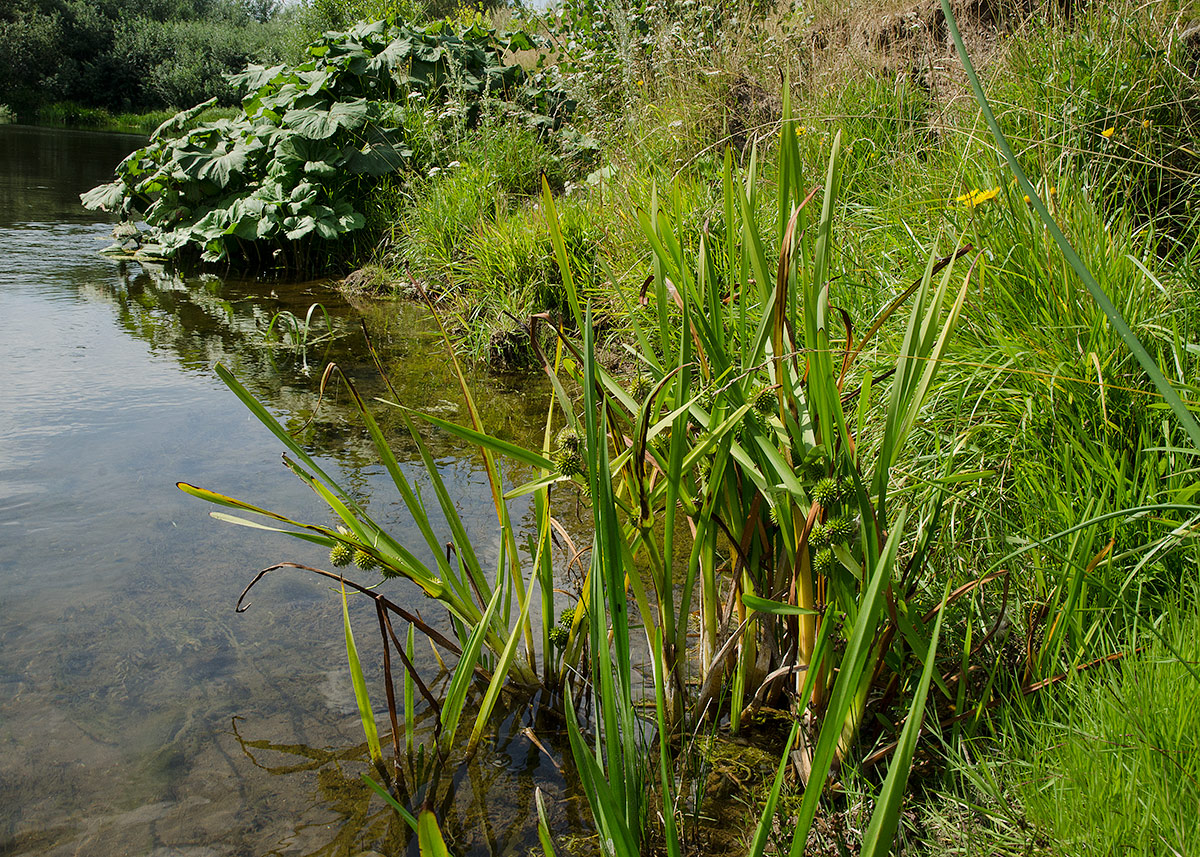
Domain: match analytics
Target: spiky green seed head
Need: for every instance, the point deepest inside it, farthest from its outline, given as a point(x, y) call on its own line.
point(568, 462)
point(773, 513)
point(364, 560)
point(841, 530)
point(823, 561)
point(559, 636)
point(763, 399)
point(568, 438)
point(341, 554)
point(567, 617)
point(640, 387)
point(820, 536)
point(825, 492)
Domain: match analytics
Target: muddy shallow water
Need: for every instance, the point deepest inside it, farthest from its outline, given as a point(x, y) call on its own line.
point(138, 713)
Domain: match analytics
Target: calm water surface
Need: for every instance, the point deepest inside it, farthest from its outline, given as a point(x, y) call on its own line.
point(138, 713)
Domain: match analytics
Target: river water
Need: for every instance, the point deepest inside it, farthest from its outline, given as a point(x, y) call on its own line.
point(139, 714)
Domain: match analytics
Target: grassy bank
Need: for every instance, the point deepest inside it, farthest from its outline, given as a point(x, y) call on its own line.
point(867, 451)
point(70, 115)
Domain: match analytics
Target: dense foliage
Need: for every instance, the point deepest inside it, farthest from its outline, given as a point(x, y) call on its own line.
point(127, 55)
point(312, 140)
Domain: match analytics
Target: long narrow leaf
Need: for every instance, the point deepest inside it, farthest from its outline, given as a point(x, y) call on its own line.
point(886, 815)
point(360, 687)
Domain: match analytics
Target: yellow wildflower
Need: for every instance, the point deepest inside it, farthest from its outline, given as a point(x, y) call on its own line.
point(977, 197)
point(1108, 132)
point(1145, 123)
point(641, 83)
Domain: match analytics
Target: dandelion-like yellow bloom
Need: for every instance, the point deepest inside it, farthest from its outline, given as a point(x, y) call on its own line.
point(1145, 123)
point(977, 197)
point(1108, 132)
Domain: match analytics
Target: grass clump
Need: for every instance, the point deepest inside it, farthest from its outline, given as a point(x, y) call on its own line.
point(1107, 763)
point(1116, 767)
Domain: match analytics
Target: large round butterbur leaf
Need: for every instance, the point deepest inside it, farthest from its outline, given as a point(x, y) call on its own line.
point(106, 197)
point(220, 166)
point(308, 145)
point(320, 170)
point(296, 228)
point(294, 151)
point(255, 77)
point(180, 120)
point(382, 153)
point(322, 124)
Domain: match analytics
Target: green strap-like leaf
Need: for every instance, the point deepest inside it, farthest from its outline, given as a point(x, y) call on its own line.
point(886, 815)
point(360, 687)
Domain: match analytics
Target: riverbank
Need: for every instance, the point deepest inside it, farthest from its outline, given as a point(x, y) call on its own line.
point(898, 423)
point(65, 114)
point(1040, 415)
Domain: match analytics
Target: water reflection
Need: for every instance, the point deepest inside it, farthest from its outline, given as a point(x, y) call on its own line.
point(122, 663)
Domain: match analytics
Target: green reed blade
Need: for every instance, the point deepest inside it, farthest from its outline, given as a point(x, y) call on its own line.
point(607, 809)
point(494, 444)
point(758, 842)
point(409, 692)
point(325, 541)
point(560, 252)
point(503, 665)
point(775, 608)
point(671, 834)
point(543, 825)
point(360, 688)
point(464, 671)
point(850, 675)
point(391, 801)
point(886, 816)
point(429, 836)
point(264, 416)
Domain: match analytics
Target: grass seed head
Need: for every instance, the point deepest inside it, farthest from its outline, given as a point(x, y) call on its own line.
point(826, 492)
point(340, 555)
point(640, 388)
point(841, 530)
point(763, 399)
point(568, 438)
point(568, 461)
point(364, 560)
